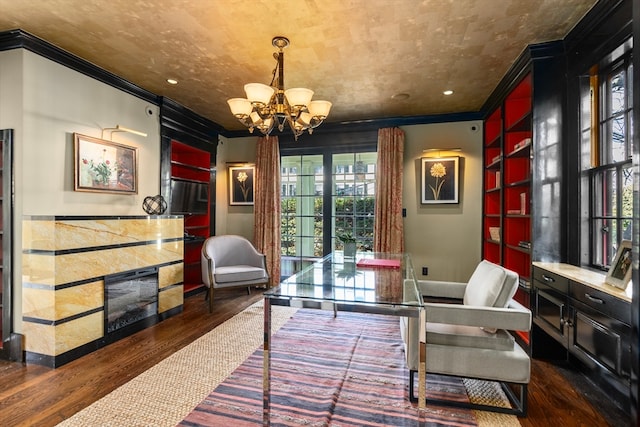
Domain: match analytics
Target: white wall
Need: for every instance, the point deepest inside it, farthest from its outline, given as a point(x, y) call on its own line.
point(233, 219)
point(445, 238)
point(45, 103)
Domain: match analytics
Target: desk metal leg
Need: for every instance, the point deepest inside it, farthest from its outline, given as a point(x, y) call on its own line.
point(266, 369)
point(422, 365)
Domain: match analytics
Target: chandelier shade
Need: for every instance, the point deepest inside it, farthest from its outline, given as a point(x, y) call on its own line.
point(298, 97)
point(269, 105)
point(240, 107)
point(258, 93)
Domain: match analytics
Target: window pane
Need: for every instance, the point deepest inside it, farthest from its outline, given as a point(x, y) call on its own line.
point(616, 93)
point(627, 203)
point(605, 193)
point(630, 84)
point(585, 150)
point(585, 103)
point(602, 242)
point(615, 140)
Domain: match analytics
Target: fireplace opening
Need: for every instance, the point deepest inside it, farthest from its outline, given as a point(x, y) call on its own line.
point(130, 297)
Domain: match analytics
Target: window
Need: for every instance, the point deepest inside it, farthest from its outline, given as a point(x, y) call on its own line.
point(317, 205)
point(607, 181)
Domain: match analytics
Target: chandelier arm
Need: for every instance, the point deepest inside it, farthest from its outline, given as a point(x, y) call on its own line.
point(265, 112)
point(315, 122)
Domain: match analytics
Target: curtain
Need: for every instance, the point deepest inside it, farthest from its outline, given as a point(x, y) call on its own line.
point(388, 235)
point(267, 204)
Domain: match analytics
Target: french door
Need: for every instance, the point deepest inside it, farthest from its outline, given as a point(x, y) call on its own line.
point(325, 195)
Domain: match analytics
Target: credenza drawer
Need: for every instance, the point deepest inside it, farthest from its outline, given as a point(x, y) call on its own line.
point(552, 280)
point(602, 302)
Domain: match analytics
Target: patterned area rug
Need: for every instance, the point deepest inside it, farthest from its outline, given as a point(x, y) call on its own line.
point(326, 371)
point(168, 392)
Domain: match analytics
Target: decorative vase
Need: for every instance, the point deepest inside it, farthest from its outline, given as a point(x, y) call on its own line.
point(350, 249)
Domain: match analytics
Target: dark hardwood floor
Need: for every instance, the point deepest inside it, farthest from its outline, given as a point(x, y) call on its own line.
point(37, 396)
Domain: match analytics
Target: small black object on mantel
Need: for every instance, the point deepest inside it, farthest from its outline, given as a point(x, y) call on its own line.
point(154, 205)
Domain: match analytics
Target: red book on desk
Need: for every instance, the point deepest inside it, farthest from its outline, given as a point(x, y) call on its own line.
point(378, 262)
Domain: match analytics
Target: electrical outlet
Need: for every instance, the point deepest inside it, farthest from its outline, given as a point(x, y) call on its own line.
point(425, 271)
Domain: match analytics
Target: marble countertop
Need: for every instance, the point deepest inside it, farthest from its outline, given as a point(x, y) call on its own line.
point(591, 278)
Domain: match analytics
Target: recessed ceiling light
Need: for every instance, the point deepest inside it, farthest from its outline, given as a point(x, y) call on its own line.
point(172, 81)
point(400, 96)
point(448, 92)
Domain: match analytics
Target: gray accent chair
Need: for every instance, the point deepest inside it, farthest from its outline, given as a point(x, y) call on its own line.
point(473, 337)
point(231, 261)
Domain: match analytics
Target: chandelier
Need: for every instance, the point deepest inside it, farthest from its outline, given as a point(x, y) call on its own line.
point(267, 106)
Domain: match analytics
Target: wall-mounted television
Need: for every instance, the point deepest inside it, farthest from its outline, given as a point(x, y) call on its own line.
point(189, 197)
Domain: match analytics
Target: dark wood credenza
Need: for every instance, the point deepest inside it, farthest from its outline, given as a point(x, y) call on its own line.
point(589, 319)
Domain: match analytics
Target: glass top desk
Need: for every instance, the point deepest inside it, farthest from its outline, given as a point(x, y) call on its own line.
point(378, 283)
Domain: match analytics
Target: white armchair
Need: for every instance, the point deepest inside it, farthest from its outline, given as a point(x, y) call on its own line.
point(472, 339)
point(230, 261)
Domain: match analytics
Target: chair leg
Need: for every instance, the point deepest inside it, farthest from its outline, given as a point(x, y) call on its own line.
point(210, 299)
point(412, 378)
point(248, 290)
point(519, 405)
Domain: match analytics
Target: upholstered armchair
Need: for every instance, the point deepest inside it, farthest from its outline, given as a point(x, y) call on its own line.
point(472, 338)
point(231, 261)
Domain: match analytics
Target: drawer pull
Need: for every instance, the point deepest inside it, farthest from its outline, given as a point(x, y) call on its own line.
point(593, 299)
point(548, 278)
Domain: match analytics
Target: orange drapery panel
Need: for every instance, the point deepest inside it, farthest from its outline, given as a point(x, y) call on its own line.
point(267, 204)
point(388, 234)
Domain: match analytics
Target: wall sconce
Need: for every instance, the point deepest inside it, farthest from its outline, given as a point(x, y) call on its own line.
point(437, 152)
point(119, 128)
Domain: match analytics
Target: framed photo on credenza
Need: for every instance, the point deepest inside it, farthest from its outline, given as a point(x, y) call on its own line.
point(619, 273)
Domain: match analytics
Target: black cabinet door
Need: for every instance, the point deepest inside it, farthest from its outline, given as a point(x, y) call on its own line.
point(597, 336)
point(550, 304)
point(550, 309)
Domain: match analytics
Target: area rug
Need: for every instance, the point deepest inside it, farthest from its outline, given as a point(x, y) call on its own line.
point(166, 394)
point(326, 371)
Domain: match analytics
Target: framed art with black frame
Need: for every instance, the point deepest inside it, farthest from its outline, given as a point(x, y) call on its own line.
point(241, 184)
point(440, 180)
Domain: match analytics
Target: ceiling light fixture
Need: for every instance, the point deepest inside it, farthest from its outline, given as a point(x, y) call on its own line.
point(448, 92)
point(266, 105)
point(172, 81)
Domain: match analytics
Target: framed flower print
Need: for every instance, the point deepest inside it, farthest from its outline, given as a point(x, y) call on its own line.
point(104, 166)
point(440, 180)
point(241, 184)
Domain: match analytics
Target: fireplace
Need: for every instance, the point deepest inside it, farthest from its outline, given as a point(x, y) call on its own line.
point(130, 297)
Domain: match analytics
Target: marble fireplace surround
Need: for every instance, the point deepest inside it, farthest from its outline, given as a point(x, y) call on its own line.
point(64, 262)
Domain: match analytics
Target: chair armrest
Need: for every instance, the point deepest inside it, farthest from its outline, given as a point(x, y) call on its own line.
point(435, 288)
point(207, 268)
point(512, 319)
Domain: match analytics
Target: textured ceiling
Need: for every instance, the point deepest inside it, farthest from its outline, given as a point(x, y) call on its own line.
point(357, 54)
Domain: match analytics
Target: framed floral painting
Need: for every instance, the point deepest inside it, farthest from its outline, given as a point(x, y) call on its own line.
point(104, 166)
point(241, 184)
point(440, 180)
